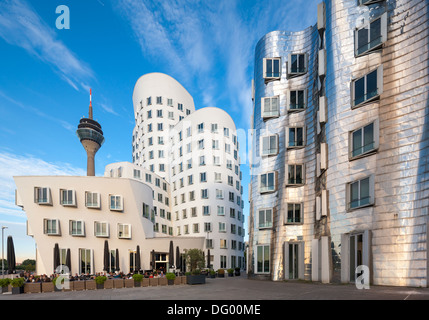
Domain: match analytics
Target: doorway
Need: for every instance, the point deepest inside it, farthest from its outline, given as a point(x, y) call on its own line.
point(294, 260)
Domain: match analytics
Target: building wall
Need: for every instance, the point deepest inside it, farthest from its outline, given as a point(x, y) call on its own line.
point(134, 193)
point(394, 226)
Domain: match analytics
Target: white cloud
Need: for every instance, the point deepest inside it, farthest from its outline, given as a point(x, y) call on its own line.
point(21, 26)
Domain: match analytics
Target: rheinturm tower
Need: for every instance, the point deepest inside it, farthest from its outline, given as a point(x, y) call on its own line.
point(91, 136)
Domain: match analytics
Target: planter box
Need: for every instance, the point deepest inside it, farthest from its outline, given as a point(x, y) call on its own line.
point(99, 286)
point(162, 281)
point(90, 285)
point(196, 279)
point(118, 283)
point(178, 281)
point(230, 274)
point(78, 285)
point(108, 284)
point(17, 290)
point(47, 287)
point(237, 273)
point(129, 283)
point(153, 282)
point(145, 282)
point(4, 289)
point(137, 284)
point(32, 287)
point(183, 279)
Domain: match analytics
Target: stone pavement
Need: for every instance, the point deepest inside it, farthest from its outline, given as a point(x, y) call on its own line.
point(237, 288)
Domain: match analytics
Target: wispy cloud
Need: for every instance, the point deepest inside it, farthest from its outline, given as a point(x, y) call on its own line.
point(21, 26)
point(22, 165)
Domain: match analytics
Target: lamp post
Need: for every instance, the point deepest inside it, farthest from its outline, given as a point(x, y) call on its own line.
point(2, 250)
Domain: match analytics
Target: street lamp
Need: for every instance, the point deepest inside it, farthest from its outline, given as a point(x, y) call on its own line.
point(2, 250)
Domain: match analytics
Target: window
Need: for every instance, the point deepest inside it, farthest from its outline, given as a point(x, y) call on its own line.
point(191, 195)
point(116, 203)
point(159, 113)
point(77, 228)
point(146, 211)
point(297, 64)
point(364, 140)
point(149, 101)
point(124, 231)
point(196, 227)
point(295, 137)
point(136, 174)
point(223, 262)
point(360, 193)
point(265, 218)
point(201, 144)
point(214, 128)
point(297, 100)
point(263, 259)
point(272, 68)
point(218, 177)
point(294, 213)
point(180, 106)
point(170, 115)
point(215, 144)
point(371, 36)
point(42, 195)
point(219, 194)
point(170, 102)
point(206, 210)
point(158, 100)
point(220, 210)
point(269, 145)
point(85, 259)
point(367, 88)
point(203, 177)
point(92, 200)
point(202, 161)
point(101, 229)
point(200, 127)
point(366, 2)
point(207, 227)
point(267, 182)
point(160, 127)
point(226, 132)
point(223, 243)
point(204, 193)
point(270, 107)
point(51, 227)
point(295, 175)
point(67, 197)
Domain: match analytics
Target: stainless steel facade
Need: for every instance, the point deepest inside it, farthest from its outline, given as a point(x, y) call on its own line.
point(387, 230)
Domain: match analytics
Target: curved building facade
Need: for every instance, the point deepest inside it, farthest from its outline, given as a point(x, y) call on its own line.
point(363, 200)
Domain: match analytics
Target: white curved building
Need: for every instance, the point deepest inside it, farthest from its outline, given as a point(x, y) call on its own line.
point(160, 102)
point(196, 152)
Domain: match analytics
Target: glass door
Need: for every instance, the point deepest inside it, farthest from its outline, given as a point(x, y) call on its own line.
point(356, 254)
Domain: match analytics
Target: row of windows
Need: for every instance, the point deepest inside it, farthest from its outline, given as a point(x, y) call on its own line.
point(205, 195)
point(77, 229)
point(159, 100)
point(206, 211)
point(214, 128)
point(223, 244)
point(208, 228)
point(42, 195)
point(203, 179)
point(202, 162)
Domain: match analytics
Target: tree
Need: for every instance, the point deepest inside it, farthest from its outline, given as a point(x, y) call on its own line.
point(194, 259)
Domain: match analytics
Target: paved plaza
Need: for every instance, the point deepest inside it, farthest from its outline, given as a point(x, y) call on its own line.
point(237, 288)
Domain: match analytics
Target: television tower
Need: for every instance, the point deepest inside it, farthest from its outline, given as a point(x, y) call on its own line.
point(91, 136)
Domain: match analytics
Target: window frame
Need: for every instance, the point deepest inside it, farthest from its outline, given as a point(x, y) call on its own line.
point(270, 149)
point(264, 266)
point(69, 202)
point(122, 225)
point(270, 114)
point(301, 213)
point(102, 235)
point(289, 184)
point(304, 137)
point(121, 208)
point(273, 75)
point(291, 73)
point(375, 142)
point(270, 212)
point(289, 100)
point(367, 25)
point(57, 227)
point(82, 234)
point(371, 196)
point(268, 189)
point(379, 80)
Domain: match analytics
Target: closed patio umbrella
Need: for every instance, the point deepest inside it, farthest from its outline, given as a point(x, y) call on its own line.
point(208, 258)
point(68, 260)
point(11, 262)
point(117, 261)
point(153, 259)
point(178, 264)
point(106, 256)
point(56, 256)
point(138, 263)
point(171, 255)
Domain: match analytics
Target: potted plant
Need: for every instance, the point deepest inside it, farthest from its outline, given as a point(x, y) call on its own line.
point(212, 274)
point(99, 280)
point(221, 273)
point(237, 271)
point(195, 260)
point(138, 278)
point(17, 285)
point(230, 272)
point(170, 278)
point(4, 284)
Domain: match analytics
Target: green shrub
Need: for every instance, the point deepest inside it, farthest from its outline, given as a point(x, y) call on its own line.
point(5, 282)
point(220, 271)
point(196, 272)
point(212, 272)
point(100, 279)
point(138, 277)
point(170, 276)
point(187, 273)
point(17, 282)
point(230, 271)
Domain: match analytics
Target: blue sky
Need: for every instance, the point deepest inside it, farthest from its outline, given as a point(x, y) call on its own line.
point(46, 73)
